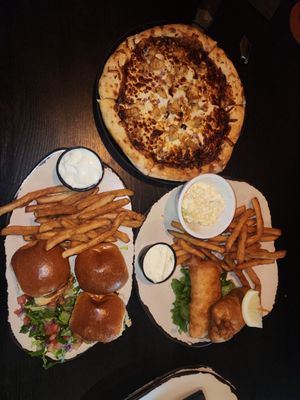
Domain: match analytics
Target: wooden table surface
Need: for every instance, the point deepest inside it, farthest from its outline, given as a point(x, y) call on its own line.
point(50, 55)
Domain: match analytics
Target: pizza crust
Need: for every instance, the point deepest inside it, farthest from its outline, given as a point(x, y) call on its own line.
point(111, 78)
point(236, 118)
point(116, 129)
point(219, 57)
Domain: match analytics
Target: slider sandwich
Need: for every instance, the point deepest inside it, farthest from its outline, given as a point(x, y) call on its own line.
point(41, 274)
point(99, 313)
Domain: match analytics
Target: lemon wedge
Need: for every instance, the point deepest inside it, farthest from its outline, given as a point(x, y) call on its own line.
point(251, 309)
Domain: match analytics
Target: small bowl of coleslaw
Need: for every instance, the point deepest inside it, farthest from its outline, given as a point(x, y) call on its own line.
point(206, 206)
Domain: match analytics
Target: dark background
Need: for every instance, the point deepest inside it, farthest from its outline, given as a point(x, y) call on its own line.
point(50, 55)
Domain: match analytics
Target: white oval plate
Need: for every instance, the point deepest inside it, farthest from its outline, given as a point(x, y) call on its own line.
point(157, 299)
point(181, 383)
point(44, 174)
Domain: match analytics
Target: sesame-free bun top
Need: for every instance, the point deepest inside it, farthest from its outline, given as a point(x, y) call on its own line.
point(101, 270)
point(40, 272)
point(98, 317)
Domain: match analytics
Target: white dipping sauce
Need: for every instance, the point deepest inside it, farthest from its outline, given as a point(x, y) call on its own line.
point(158, 263)
point(80, 168)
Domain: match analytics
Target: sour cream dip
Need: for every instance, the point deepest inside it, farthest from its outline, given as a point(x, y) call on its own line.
point(158, 262)
point(79, 168)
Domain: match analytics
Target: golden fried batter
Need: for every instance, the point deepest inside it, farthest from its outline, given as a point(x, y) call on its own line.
point(205, 291)
point(226, 316)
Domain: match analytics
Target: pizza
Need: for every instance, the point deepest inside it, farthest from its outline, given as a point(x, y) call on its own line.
point(173, 102)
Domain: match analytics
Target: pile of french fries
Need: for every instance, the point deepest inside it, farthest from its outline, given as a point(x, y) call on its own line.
point(237, 249)
point(75, 220)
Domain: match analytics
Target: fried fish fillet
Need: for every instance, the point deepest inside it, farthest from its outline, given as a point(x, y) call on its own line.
point(226, 316)
point(205, 291)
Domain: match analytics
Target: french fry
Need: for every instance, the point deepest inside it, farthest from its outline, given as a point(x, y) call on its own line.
point(58, 210)
point(104, 209)
point(254, 262)
point(77, 196)
point(68, 233)
point(190, 249)
point(100, 202)
point(54, 198)
point(242, 278)
point(92, 243)
point(122, 236)
point(254, 278)
point(132, 223)
point(197, 242)
point(79, 237)
point(46, 235)
point(272, 231)
point(36, 207)
point(87, 201)
point(68, 223)
point(29, 197)
point(218, 239)
point(268, 238)
point(239, 211)
point(118, 192)
point(43, 220)
point(177, 225)
point(236, 231)
point(240, 255)
point(229, 262)
point(263, 253)
point(209, 254)
point(19, 230)
point(49, 225)
point(180, 252)
point(182, 259)
point(259, 222)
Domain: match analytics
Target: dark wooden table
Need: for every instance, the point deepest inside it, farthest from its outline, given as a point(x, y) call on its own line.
point(50, 53)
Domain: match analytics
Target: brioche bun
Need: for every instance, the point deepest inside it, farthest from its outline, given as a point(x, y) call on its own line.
point(101, 270)
point(98, 318)
point(40, 272)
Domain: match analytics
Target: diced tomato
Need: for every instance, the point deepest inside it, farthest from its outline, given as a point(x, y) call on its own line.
point(18, 311)
point(26, 320)
point(52, 304)
point(66, 337)
point(22, 299)
point(54, 345)
point(51, 328)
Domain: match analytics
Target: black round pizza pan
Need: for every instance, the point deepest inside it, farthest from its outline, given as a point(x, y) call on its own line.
point(112, 147)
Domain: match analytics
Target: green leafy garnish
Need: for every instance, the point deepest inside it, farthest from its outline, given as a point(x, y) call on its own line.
point(182, 290)
point(48, 326)
point(226, 284)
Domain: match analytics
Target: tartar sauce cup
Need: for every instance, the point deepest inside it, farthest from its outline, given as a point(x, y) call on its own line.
point(79, 168)
point(206, 205)
point(157, 262)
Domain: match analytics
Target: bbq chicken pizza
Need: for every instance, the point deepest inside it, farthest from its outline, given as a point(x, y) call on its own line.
point(173, 102)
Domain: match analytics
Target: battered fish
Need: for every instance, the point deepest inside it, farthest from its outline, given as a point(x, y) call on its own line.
point(205, 291)
point(226, 316)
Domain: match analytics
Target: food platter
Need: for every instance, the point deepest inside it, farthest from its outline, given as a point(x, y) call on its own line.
point(184, 382)
point(158, 299)
point(44, 175)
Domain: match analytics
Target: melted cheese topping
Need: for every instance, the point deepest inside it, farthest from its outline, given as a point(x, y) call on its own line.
point(173, 102)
